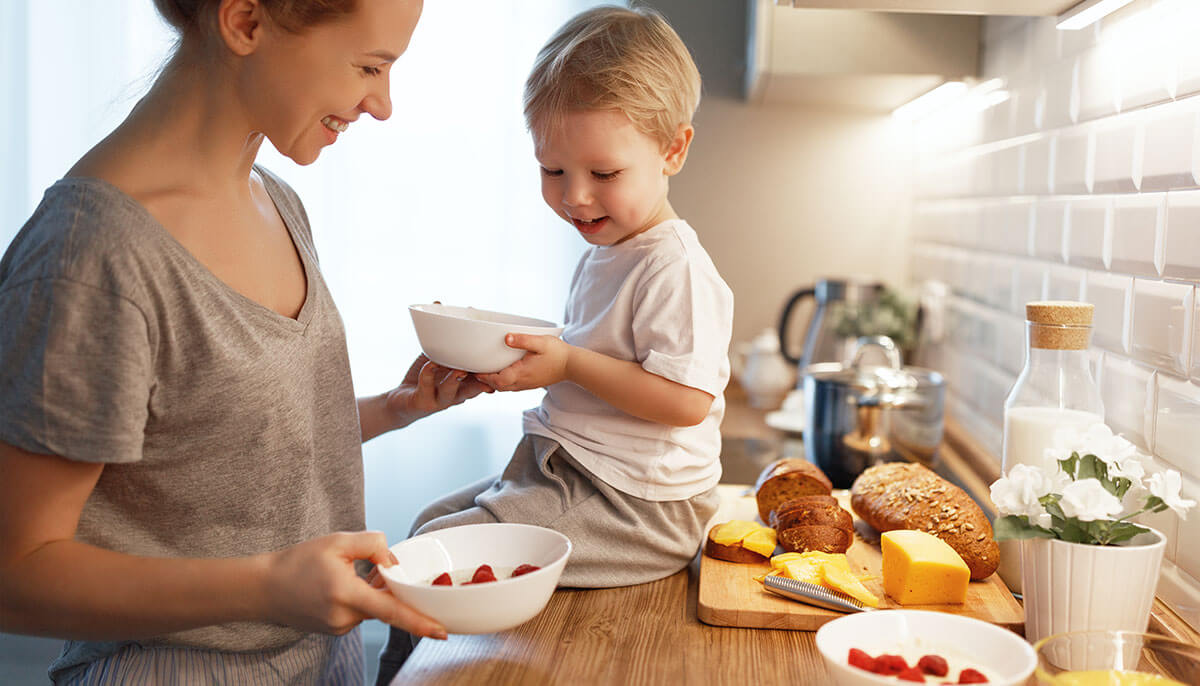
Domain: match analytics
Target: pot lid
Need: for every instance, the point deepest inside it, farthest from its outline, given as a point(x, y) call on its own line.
point(877, 379)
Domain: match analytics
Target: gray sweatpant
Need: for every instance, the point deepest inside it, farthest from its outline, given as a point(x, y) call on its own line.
point(617, 539)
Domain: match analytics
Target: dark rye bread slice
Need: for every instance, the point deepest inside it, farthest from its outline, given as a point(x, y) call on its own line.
point(825, 539)
point(815, 515)
point(905, 495)
point(731, 553)
point(786, 479)
point(804, 502)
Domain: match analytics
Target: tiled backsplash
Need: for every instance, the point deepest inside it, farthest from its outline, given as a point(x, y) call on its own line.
point(1084, 184)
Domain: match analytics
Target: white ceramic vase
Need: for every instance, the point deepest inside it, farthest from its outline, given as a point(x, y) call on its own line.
point(1077, 587)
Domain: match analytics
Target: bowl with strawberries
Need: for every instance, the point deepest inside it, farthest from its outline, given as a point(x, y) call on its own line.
point(479, 578)
point(917, 646)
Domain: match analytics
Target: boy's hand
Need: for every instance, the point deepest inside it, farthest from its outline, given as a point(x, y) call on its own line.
point(545, 363)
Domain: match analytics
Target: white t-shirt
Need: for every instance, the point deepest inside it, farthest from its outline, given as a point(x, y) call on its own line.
point(656, 299)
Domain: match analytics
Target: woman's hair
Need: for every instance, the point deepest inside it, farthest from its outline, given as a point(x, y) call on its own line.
point(195, 17)
point(613, 58)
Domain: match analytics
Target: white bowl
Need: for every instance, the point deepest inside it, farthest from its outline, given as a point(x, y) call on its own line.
point(1003, 656)
point(473, 340)
point(485, 607)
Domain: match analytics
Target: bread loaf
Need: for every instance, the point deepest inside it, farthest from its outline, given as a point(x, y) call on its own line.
point(903, 495)
point(786, 479)
point(731, 553)
point(804, 502)
point(813, 515)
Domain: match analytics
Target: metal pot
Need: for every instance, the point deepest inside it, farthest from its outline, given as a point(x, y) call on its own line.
point(859, 415)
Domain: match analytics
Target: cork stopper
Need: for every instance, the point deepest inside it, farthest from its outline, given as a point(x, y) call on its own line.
point(1059, 324)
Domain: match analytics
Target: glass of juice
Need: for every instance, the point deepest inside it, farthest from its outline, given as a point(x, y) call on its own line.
point(1116, 658)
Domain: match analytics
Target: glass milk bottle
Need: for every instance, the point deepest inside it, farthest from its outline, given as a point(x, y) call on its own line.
point(1054, 390)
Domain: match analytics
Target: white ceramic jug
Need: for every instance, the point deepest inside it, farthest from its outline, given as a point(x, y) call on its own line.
point(761, 369)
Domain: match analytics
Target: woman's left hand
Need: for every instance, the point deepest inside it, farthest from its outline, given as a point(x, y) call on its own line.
point(429, 387)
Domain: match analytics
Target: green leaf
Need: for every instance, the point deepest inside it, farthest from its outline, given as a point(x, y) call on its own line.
point(1017, 527)
point(1068, 465)
point(1153, 502)
point(1123, 531)
point(1122, 486)
point(1092, 467)
point(1050, 502)
point(1070, 529)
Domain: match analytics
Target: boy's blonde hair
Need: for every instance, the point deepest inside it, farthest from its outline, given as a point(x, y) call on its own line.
point(613, 58)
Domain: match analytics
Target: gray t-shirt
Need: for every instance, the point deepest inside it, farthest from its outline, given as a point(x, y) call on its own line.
point(226, 429)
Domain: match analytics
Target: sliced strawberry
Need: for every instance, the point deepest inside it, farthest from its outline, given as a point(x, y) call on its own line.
point(443, 580)
point(911, 674)
point(934, 665)
point(482, 574)
point(890, 664)
point(525, 569)
point(861, 659)
point(971, 676)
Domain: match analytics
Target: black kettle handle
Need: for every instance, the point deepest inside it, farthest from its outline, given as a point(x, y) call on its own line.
point(787, 314)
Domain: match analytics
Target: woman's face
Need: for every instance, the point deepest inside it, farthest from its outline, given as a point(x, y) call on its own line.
point(302, 90)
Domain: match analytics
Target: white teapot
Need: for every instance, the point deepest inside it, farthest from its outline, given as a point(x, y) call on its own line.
point(761, 369)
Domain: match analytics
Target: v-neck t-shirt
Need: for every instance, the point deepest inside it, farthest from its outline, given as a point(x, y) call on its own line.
point(226, 429)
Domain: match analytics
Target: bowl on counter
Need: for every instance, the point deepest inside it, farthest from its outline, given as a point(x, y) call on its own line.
point(478, 608)
point(1002, 656)
point(470, 339)
point(1083, 658)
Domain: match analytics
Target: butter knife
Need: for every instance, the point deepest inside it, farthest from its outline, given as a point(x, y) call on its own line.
point(812, 594)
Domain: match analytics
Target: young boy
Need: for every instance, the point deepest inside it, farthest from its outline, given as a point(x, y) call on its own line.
point(622, 454)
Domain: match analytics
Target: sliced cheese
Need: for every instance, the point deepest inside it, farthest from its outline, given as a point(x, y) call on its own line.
point(761, 541)
point(733, 531)
point(922, 569)
point(840, 579)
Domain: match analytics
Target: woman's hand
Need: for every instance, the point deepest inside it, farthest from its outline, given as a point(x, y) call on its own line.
point(427, 388)
point(312, 586)
point(545, 363)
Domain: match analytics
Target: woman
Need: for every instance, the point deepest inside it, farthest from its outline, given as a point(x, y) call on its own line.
point(178, 432)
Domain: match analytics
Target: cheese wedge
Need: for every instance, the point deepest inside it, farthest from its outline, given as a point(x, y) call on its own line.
point(922, 569)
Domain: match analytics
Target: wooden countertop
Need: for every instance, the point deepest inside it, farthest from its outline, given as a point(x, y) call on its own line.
point(650, 633)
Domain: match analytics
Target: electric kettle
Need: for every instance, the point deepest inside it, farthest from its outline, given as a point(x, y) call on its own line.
point(822, 342)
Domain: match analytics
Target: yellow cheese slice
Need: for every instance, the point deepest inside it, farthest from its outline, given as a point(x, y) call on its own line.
point(761, 541)
point(922, 569)
point(840, 579)
point(733, 531)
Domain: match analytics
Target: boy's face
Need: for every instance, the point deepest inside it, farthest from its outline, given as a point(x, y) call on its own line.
point(607, 178)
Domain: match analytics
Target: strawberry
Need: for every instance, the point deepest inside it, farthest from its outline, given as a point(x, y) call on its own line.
point(890, 664)
point(443, 580)
point(934, 665)
point(482, 574)
point(525, 569)
point(911, 674)
point(971, 676)
point(861, 659)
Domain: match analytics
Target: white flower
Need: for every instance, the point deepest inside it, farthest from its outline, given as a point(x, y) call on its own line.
point(1087, 501)
point(1167, 485)
point(1017, 493)
point(1097, 439)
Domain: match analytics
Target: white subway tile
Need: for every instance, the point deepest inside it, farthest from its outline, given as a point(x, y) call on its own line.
point(1088, 230)
point(1127, 390)
point(982, 172)
point(1064, 283)
point(1118, 156)
point(1010, 347)
point(1045, 41)
point(1005, 226)
point(1111, 295)
point(1000, 291)
point(1098, 95)
point(1137, 233)
point(1142, 69)
point(1061, 90)
point(979, 277)
point(1029, 285)
point(1196, 337)
point(1049, 229)
point(1037, 169)
point(1187, 553)
point(1076, 42)
point(1073, 156)
point(1180, 38)
point(1181, 235)
point(1171, 151)
point(1177, 424)
point(1006, 171)
point(1161, 332)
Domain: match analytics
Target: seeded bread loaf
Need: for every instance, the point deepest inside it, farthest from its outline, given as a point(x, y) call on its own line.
point(903, 495)
point(786, 479)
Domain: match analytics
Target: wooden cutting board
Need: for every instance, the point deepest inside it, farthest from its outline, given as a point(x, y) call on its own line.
point(729, 595)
